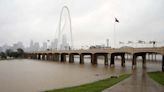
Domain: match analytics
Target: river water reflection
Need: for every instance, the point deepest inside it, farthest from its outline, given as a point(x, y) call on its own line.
point(27, 75)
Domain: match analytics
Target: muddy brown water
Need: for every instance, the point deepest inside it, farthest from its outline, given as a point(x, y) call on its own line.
point(26, 75)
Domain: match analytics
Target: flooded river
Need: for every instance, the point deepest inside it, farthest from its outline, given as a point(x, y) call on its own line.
point(25, 75)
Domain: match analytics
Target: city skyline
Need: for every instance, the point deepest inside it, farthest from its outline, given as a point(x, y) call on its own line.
point(92, 21)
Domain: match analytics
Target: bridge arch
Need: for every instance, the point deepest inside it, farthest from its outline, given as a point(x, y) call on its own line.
point(61, 27)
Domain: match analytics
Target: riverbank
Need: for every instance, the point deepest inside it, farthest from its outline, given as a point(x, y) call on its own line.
point(157, 76)
point(97, 86)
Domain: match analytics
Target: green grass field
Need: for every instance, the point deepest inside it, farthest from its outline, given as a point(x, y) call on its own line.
point(97, 86)
point(157, 76)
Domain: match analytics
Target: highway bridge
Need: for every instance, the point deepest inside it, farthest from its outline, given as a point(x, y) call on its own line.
point(60, 55)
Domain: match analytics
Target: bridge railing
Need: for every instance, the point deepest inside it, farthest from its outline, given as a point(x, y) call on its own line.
point(159, 50)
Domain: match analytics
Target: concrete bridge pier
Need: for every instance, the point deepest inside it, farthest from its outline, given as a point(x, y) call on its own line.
point(135, 55)
point(134, 61)
point(94, 59)
point(144, 60)
point(113, 58)
point(63, 58)
point(39, 56)
point(43, 56)
point(106, 59)
point(123, 60)
point(162, 63)
point(56, 57)
point(48, 57)
point(81, 59)
point(71, 58)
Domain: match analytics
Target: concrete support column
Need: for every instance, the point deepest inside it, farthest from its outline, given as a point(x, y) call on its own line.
point(92, 58)
point(38, 56)
point(71, 58)
point(95, 59)
point(63, 58)
point(143, 60)
point(57, 57)
point(48, 57)
point(162, 63)
point(112, 60)
point(81, 59)
point(106, 59)
point(43, 57)
point(123, 60)
point(134, 61)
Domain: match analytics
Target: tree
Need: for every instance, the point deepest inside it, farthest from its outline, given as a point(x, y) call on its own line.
point(9, 52)
point(15, 54)
point(20, 52)
point(3, 55)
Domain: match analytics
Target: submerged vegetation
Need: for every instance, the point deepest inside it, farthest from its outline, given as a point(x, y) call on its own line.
point(9, 53)
point(97, 86)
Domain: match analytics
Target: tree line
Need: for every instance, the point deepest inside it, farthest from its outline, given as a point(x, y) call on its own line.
point(9, 53)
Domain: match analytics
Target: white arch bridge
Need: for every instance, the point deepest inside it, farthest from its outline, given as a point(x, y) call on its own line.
point(60, 55)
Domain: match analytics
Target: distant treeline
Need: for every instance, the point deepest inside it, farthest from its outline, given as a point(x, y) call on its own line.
point(9, 53)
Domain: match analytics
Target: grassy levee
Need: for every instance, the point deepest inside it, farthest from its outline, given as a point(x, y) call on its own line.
point(97, 86)
point(157, 76)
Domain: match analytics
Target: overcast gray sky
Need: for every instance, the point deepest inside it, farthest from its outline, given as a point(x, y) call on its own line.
point(92, 20)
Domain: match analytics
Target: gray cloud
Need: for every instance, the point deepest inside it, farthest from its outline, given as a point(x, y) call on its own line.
point(92, 20)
